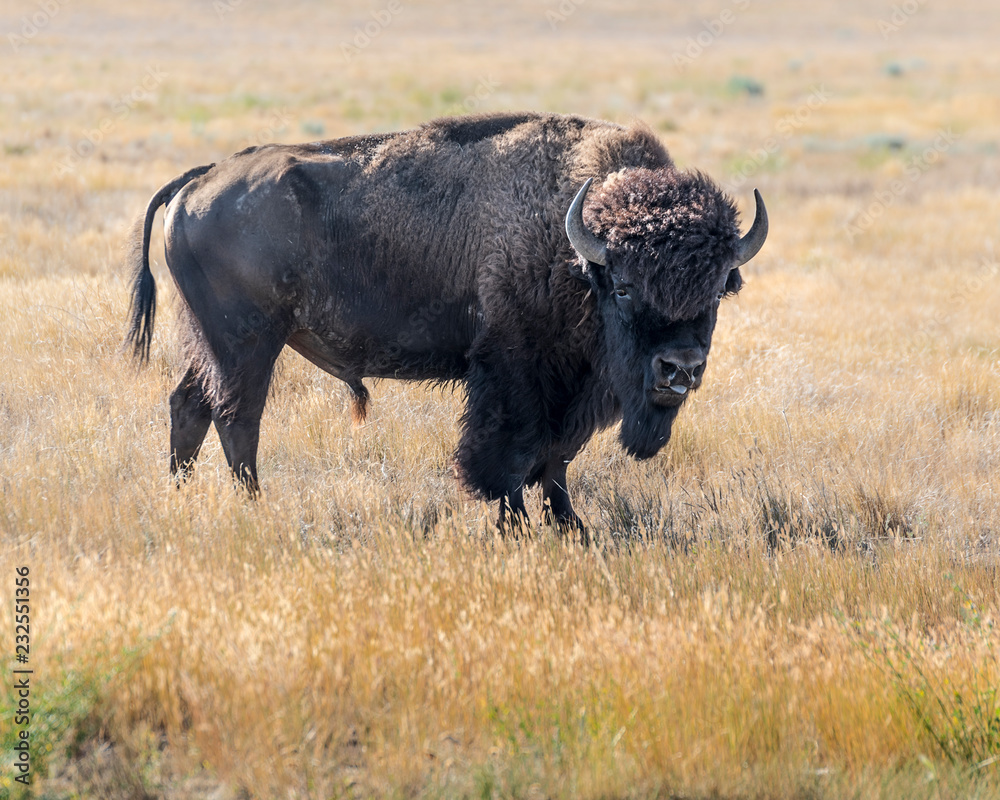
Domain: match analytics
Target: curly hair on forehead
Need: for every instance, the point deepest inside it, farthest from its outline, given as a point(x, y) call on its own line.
point(673, 233)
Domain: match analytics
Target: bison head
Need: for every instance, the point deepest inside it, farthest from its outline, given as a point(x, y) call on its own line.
point(665, 250)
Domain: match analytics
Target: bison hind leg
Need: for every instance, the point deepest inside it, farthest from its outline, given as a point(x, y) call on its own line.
point(238, 422)
point(242, 379)
point(190, 418)
point(359, 402)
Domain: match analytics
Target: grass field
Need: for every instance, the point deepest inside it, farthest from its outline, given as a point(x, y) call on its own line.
point(797, 598)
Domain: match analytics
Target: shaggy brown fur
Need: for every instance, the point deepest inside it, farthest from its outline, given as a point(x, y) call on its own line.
point(676, 231)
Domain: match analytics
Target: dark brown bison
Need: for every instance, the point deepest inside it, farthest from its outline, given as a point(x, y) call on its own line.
point(464, 250)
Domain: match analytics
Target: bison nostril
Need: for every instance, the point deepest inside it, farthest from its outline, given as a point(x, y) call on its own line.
point(664, 371)
point(685, 372)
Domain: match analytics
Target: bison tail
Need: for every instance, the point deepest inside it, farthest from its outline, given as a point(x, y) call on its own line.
point(142, 310)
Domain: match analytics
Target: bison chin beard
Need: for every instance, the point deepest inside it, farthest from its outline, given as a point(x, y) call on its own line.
point(646, 430)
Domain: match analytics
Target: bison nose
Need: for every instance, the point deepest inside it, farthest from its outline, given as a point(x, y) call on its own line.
point(678, 370)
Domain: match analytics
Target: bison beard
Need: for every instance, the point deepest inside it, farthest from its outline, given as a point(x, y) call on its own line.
point(455, 253)
point(645, 428)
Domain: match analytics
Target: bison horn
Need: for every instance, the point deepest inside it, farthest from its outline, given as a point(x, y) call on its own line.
point(751, 243)
point(587, 244)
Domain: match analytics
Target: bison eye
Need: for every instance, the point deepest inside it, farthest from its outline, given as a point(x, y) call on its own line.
point(622, 292)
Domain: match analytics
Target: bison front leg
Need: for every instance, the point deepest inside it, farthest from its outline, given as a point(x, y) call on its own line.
point(513, 517)
point(501, 439)
point(555, 496)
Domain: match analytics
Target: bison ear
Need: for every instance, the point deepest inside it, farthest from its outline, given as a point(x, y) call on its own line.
point(582, 272)
point(596, 277)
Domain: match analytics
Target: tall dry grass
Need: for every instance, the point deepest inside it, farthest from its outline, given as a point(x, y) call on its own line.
point(797, 598)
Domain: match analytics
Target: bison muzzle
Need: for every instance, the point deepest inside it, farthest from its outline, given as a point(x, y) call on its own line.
point(561, 268)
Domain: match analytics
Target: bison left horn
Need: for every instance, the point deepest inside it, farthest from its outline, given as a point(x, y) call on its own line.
point(588, 245)
point(751, 243)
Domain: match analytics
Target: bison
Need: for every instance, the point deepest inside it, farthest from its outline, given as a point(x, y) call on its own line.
point(469, 250)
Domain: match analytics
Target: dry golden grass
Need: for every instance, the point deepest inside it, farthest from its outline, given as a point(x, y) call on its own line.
point(797, 598)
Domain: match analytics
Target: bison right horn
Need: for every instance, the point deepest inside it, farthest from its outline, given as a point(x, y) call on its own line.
point(587, 244)
point(751, 243)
